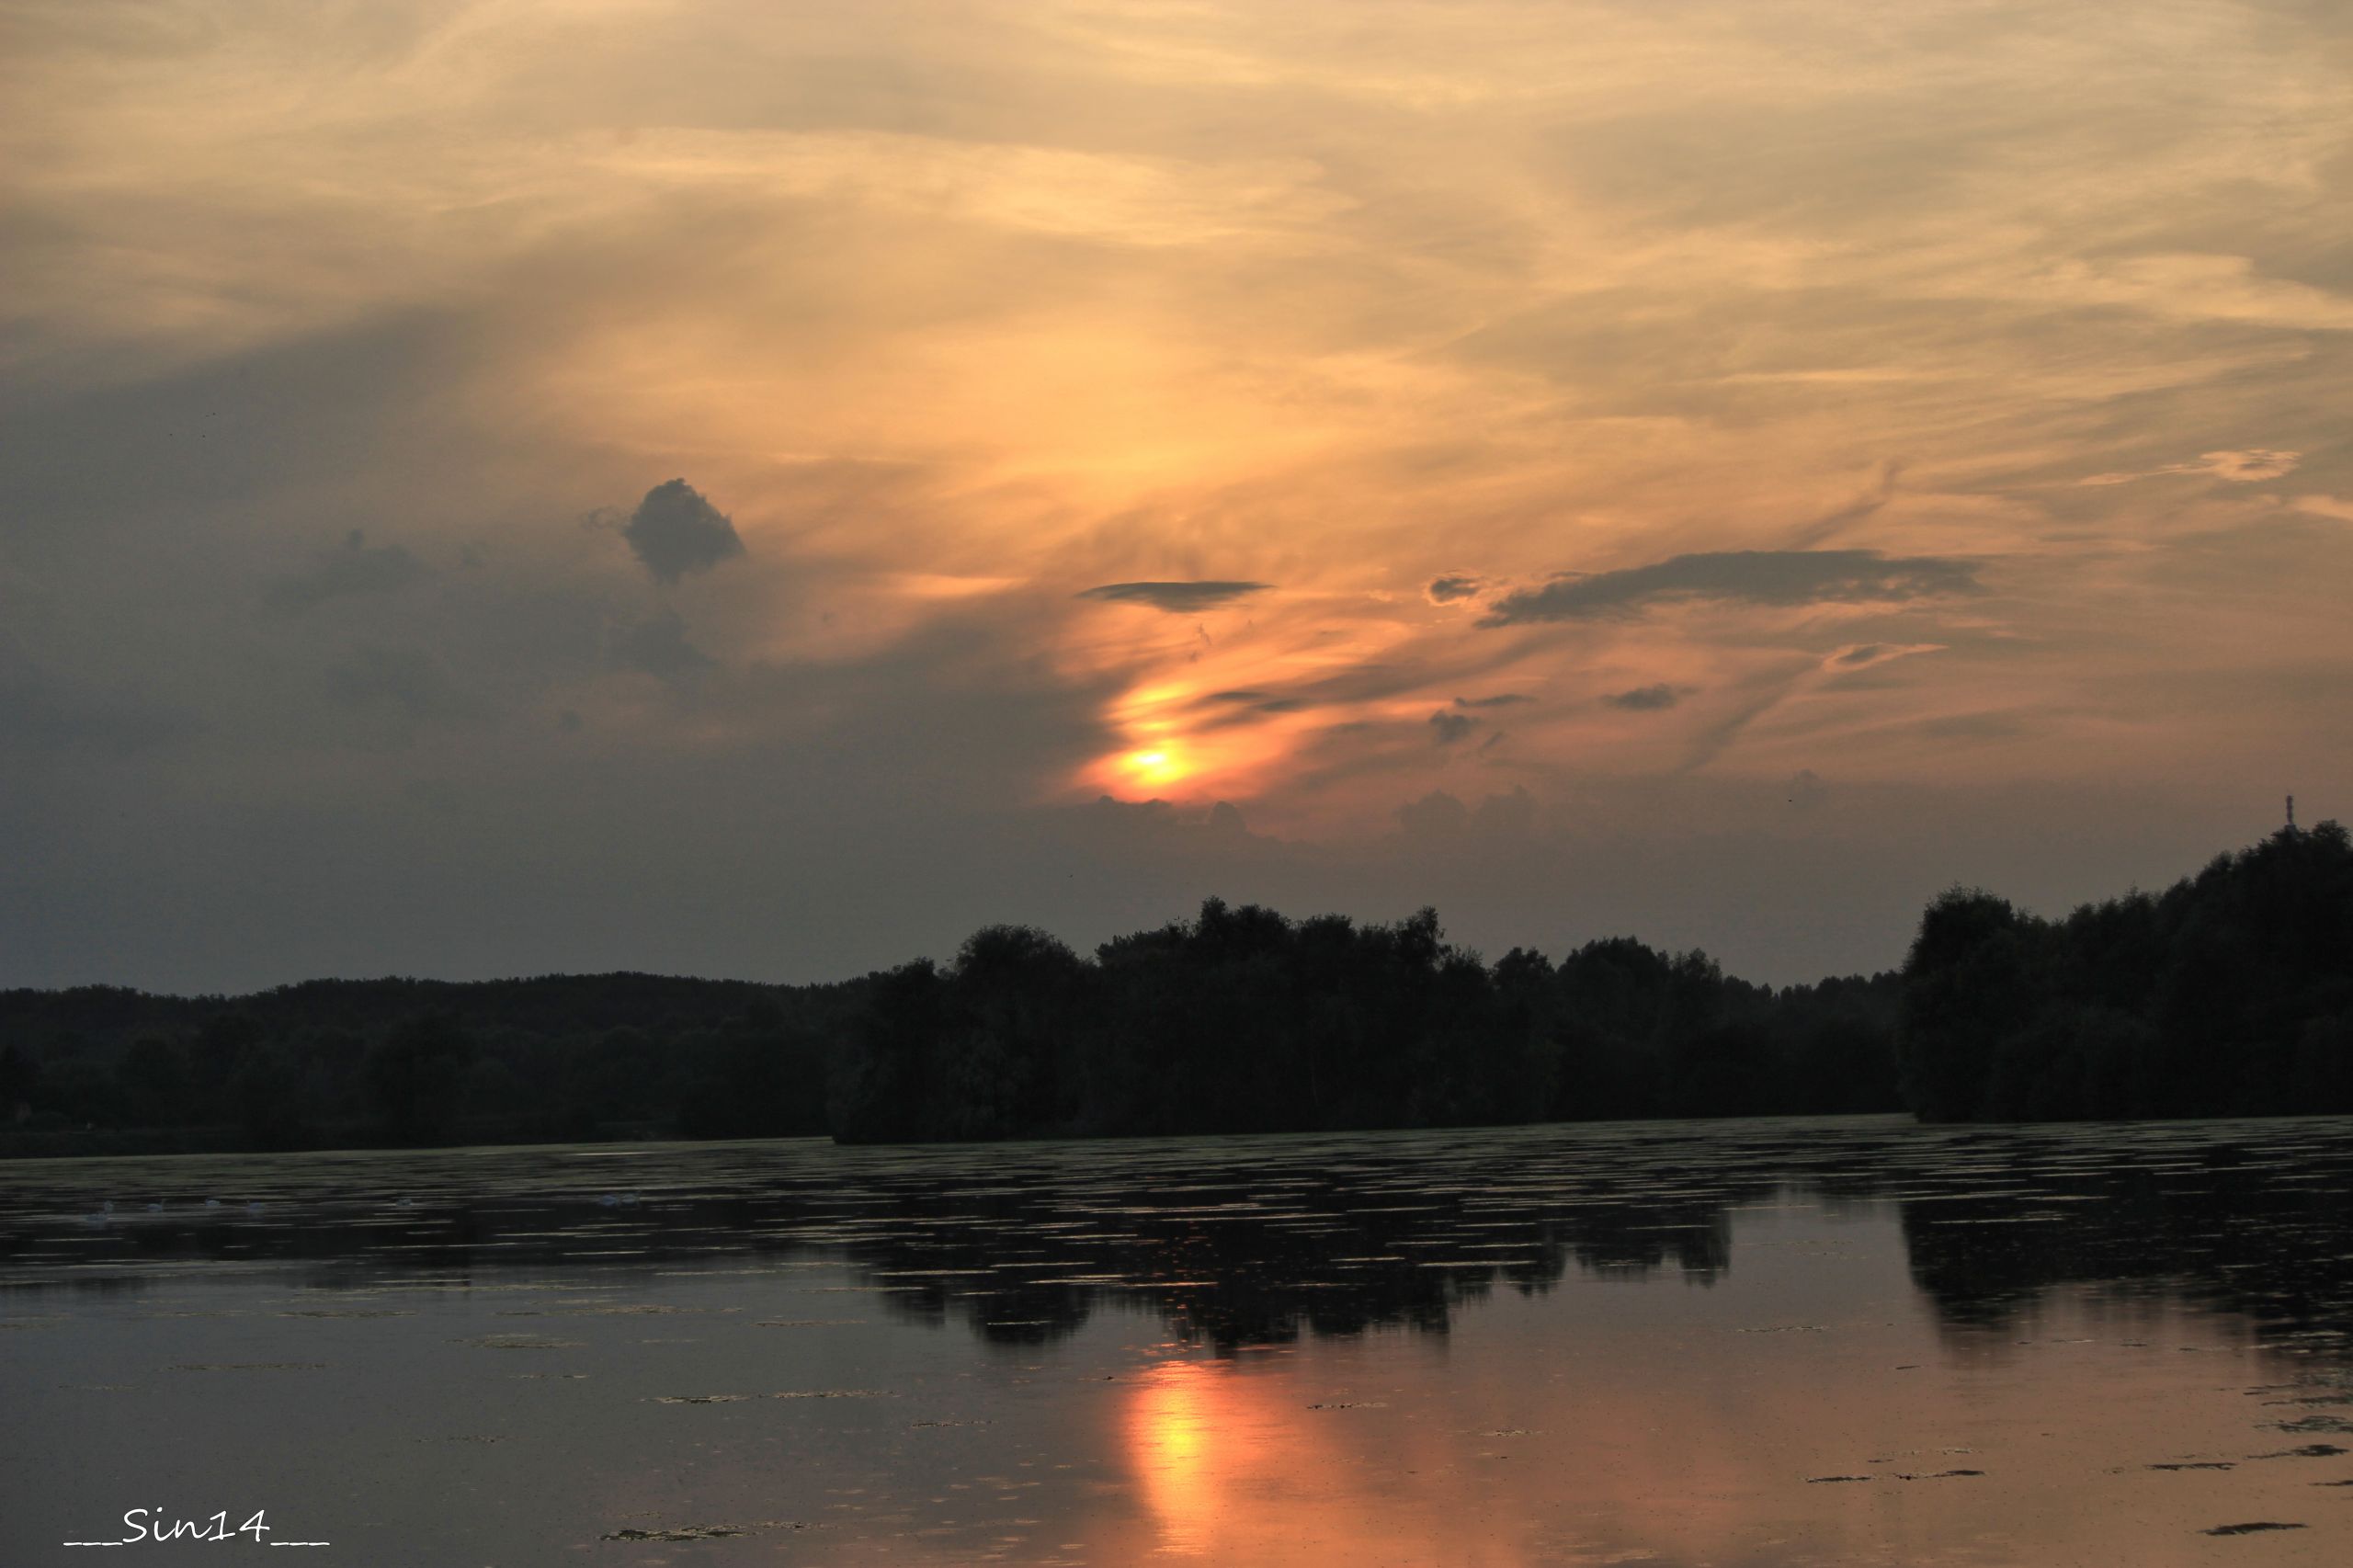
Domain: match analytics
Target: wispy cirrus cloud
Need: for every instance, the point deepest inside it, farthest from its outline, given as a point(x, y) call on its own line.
point(1769, 578)
point(2248, 466)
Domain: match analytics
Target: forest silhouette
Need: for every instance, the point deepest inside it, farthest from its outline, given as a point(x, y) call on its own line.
point(2229, 993)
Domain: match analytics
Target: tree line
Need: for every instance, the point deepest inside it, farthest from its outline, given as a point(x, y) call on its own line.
point(342, 1063)
point(1241, 1021)
point(2230, 993)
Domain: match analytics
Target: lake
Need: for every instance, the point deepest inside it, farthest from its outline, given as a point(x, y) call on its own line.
point(1738, 1343)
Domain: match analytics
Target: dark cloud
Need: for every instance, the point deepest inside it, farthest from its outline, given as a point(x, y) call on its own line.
point(39, 709)
point(674, 531)
point(1739, 576)
point(354, 567)
point(1507, 816)
point(1175, 598)
point(1435, 816)
point(1449, 590)
point(406, 680)
point(1111, 813)
point(1865, 654)
point(1444, 822)
point(1452, 727)
point(659, 647)
point(1111, 823)
point(1644, 699)
point(1503, 699)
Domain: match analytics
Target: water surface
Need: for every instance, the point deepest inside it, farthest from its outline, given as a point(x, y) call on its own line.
point(1849, 1341)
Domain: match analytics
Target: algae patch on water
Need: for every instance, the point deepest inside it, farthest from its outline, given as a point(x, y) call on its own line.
point(2254, 1528)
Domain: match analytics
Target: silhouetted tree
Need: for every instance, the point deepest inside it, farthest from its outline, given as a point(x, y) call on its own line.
point(19, 1083)
point(1968, 982)
point(2225, 995)
point(413, 1076)
point(268, 1090)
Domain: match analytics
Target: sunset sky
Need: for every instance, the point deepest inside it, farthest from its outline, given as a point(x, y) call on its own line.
point(761, 489)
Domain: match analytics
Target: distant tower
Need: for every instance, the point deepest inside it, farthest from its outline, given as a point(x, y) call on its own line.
point(2291, 813)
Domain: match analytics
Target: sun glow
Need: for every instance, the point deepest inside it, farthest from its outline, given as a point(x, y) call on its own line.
point(1155, 767)
point(1160, 760)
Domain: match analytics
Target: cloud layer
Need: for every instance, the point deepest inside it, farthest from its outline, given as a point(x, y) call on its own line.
point(1941, 408)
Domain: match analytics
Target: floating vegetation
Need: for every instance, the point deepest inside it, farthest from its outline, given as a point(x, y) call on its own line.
point(644, 1309)
point(1336, 1233)
point(521, 1342)
point(813, 1322)
point(2314, 1424)
point(687, 1532)
point(2254, 1528)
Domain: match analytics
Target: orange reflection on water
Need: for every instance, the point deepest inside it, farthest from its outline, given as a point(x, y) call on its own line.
point(1231, 1468)
point(1172, 1434)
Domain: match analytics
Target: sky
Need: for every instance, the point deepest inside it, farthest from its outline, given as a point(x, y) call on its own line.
point(763, 490)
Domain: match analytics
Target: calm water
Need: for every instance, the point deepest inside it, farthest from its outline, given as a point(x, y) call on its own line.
point(1734, 1343)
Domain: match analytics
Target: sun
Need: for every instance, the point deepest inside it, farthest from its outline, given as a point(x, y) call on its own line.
point(1154, 765)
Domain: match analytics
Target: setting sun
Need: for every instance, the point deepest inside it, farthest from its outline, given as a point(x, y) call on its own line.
point(1156, 765)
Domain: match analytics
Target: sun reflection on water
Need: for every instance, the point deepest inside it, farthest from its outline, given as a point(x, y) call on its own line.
point(1173, 1443)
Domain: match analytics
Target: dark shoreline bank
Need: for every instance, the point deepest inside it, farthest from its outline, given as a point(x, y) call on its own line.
point(2230, 994)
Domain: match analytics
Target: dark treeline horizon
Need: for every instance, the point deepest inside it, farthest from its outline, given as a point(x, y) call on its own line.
point(2229, 993)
